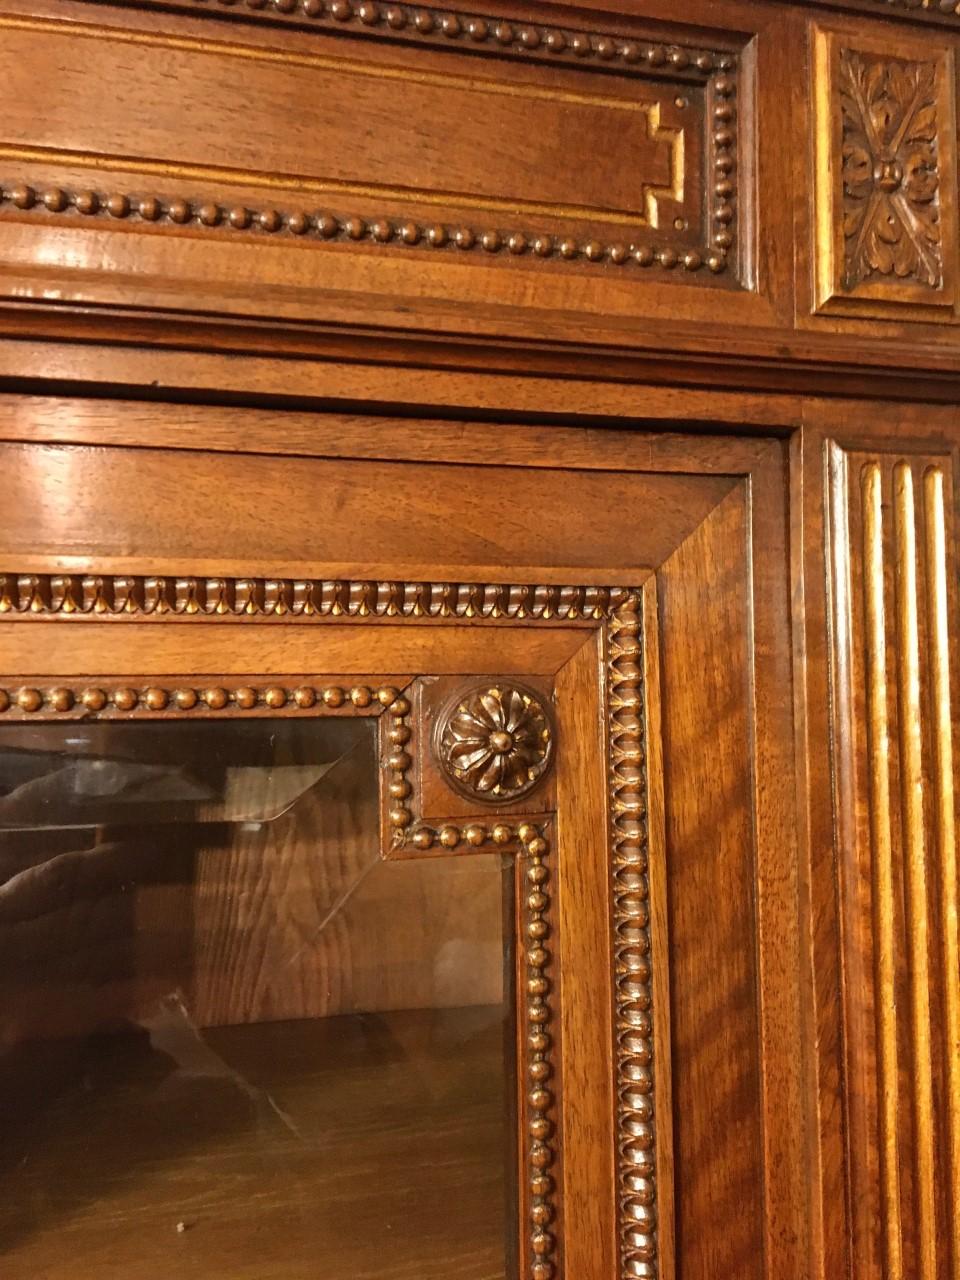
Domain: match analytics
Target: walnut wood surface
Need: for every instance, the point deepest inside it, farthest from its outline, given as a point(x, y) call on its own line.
point(589, 1195)
point(710, 896)
point(715, 911)
point(273, 502)
point(391, 324)
point(898, 878)
point(367, 216)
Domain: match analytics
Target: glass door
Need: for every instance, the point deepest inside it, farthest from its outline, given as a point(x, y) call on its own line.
point(234, 1034)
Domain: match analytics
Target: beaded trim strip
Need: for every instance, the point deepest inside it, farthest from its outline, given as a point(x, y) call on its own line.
point(632, 971)
point(329, 227)
point(103, 596)
point(101, 699)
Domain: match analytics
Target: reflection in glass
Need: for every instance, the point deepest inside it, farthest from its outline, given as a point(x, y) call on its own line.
point(234, 1042)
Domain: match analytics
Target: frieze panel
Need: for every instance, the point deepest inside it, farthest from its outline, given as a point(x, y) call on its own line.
point(612, 150)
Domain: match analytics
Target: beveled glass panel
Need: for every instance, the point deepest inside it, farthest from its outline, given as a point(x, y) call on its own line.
point(236, 1044)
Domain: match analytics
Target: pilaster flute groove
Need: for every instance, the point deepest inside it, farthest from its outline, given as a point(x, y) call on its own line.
point(881, 842)
point(914, 853)
point(944, 824)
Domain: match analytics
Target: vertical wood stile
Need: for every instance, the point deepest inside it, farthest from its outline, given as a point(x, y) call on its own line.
point(895, 824)
point(944, 826)
point(878, 737)
point(910, 718)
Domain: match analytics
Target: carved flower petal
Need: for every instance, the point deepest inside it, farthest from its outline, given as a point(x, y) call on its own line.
point(515, 711)
point(921, 185)
point(466, 725)
point(850, 111)
point(530, 732)
point(857, 161)
point(886, 223)
point(853, 218)
point(465, 755)
point(901, 85)
point(874, 75)
point(923, 125)
point(888, 250)
point(490, 777)
point(516, 773)
point(492, 705)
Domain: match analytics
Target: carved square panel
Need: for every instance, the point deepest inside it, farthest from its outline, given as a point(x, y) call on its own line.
point(886, 240)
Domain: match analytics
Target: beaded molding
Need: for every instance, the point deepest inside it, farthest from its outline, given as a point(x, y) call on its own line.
point(103, 596)
point(633, 990)
point(330, 227)
point(716, 70)
point(537, 1022)
point(444, 26)
point(95, 700)
point(617, 611)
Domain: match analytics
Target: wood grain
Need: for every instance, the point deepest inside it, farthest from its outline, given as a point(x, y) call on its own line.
point(371, 162)
point(718, 1168)
point(938, 632)
point(659, 878)
point(890, 529)
point(289, 514)
point(583, 856)
point(283, 651)
point(882, 858)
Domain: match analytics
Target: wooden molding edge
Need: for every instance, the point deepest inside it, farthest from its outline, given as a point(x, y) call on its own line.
point(618, 611)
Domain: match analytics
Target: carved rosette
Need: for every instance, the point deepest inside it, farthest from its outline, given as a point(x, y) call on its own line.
point(494, 742)
point(891, 181)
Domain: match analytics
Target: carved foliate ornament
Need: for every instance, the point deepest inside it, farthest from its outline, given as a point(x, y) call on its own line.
point(891, 182)
point(494, 742)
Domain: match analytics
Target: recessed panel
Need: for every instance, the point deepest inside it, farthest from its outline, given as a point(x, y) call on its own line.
point(886, 176)
point(407, 130)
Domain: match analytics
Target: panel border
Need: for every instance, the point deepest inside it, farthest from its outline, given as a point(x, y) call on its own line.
point(715, 69)
point(618, 613)
point(888, 296)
